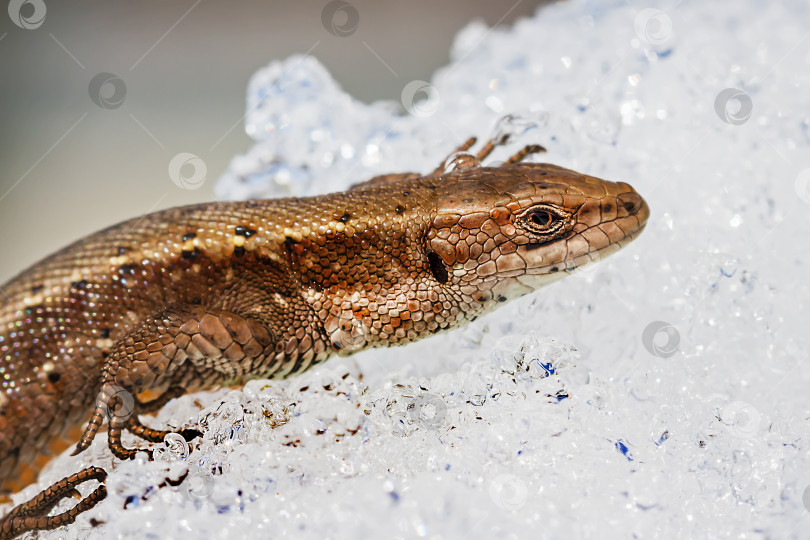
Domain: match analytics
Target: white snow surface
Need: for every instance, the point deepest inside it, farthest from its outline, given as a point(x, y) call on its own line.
point(661, 393)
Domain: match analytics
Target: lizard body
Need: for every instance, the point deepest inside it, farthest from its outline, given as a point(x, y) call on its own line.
point(219, 293)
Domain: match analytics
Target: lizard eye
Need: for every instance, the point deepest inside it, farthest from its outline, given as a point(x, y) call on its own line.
point(542, 220)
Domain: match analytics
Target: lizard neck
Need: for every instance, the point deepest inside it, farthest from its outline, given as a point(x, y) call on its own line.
point(364, 267)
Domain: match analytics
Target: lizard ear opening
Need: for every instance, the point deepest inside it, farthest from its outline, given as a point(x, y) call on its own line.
point(437, 267)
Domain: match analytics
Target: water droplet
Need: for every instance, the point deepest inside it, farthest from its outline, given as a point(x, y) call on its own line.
point(460, 160)
point(511, 126)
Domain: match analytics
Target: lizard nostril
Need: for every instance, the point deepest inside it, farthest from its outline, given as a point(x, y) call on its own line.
point(631, 202)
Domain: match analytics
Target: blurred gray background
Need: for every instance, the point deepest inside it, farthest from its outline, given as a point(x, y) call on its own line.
point(69, 166)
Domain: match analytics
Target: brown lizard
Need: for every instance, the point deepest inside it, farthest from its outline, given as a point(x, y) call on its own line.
point(215, 294)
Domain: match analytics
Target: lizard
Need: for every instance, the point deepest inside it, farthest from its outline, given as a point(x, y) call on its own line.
point(218, 293)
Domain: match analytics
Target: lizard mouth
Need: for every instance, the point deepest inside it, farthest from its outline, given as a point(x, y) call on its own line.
point(612, 235)
point(571, 264)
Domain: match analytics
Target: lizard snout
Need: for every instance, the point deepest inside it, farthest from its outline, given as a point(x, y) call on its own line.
point(634, 205)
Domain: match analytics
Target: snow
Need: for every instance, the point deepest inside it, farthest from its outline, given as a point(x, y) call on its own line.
point(661, 393)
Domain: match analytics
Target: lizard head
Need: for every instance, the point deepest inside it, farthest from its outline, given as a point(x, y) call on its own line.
point(499, 233)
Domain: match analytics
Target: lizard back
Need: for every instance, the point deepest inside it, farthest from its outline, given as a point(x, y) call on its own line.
point(60, 318)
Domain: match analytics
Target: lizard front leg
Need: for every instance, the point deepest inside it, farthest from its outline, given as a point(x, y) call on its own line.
point(218, 343)
point(146, 433)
